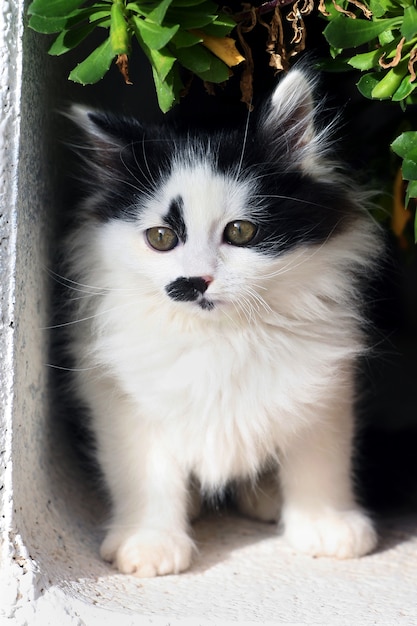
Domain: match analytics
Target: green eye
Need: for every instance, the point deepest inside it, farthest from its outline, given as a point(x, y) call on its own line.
point(161, 238)
point(239, 232)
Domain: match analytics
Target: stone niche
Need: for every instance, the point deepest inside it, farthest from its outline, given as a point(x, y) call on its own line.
point(50, 515)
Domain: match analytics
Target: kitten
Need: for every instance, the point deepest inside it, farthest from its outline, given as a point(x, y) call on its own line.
point(219, 326)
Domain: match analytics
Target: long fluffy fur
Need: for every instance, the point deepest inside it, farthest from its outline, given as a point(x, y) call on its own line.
point(260, 377)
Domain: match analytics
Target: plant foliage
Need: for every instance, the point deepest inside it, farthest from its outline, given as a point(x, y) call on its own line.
point(406, 147)
point(170, 32)
point(379, 38)
point(375, 37)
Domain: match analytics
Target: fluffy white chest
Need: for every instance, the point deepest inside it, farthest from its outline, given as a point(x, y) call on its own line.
point(225, 399)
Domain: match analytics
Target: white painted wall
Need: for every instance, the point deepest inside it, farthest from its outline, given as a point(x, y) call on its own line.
point(50, 526)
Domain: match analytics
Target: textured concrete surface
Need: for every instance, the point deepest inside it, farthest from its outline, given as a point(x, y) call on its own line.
point(50, 517)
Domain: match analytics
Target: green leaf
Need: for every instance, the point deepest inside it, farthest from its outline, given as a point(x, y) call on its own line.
point(220, 27)
point(335, 52)
point(47, 25)
point(333, 65)
point(204, 64)
point(162, 61)
point(405, 89)
point(69, 39)
point(377, 7)
point(390, 82)
point(155, 36)
point(218, 72)
point(344, 32)
point(406, 144)
point(119, 32)
point(168, 90)
point(409, 25)
point(93, 68)
point(99, 15)
point(411, 191)
point(409, 170)
point(184, 39)
point(386, 37)
point(189, 19)
point(196, 59)
point(367, 83)
point(53, 8)
point(158, 14)
point(366, 60)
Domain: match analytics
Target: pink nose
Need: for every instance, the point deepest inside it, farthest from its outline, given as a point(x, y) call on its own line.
point(208, 279)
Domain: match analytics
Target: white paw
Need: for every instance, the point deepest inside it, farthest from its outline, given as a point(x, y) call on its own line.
point(148, 553)
point(340, 534)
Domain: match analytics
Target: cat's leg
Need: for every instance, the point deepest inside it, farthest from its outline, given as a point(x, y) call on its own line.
point(147, 535)
point(195, 500)
point(320, 515)
point(260, 499)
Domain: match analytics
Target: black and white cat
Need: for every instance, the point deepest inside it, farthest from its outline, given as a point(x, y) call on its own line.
point(219, 326)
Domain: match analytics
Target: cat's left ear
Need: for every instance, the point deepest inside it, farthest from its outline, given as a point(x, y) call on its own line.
point(104, 129)
point(289, 120)
point(106, 134)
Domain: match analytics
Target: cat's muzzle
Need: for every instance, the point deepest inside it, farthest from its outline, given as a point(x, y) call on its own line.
point(190, 289)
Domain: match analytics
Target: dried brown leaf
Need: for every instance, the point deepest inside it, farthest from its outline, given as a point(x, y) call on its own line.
point(360, 5)
point(246, 79)
point(367, 12)
point(322, 8)
point(297, 24)
point(122, 63)
point(276, 62)
point(395, 60)
point(307, 7)
point(411, 63)
point(344, 11)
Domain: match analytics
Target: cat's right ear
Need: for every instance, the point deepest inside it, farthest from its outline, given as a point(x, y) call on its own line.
point(291, 108)
point(289, 121)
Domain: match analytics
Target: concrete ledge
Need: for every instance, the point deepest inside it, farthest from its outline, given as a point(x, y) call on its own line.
point(50, 572)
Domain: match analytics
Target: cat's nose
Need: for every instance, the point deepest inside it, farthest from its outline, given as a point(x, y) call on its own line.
point(198, 284)
point(208, 280)
point(189, 289)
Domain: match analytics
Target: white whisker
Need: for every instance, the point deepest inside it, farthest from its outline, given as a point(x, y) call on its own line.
point(295, 199)
point(87, 318)
point(71, 369)
point(245, 139)
point(146, 163)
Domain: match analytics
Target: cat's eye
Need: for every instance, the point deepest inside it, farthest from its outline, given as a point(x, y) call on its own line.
point(239, 232)
point(161, 238)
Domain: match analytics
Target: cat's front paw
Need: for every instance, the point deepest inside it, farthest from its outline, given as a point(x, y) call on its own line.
point(340, 534)
point(148, 553)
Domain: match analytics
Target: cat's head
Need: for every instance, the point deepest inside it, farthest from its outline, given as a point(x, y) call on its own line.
point(204, 220)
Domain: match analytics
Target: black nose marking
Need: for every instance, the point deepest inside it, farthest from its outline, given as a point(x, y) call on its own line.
point(187, 289)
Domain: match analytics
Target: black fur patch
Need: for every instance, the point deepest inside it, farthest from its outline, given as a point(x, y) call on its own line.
point(187, 289)
point(293, 208)
point(174, 218)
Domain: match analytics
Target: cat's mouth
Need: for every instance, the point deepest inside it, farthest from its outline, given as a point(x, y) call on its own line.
point(205, 304)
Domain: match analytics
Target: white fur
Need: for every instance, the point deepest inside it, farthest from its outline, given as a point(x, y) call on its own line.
point(265, 379)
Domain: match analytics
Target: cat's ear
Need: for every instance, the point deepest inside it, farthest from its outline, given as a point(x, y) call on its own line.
point(289, 119)
point(104, 127)
point(105, 134)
